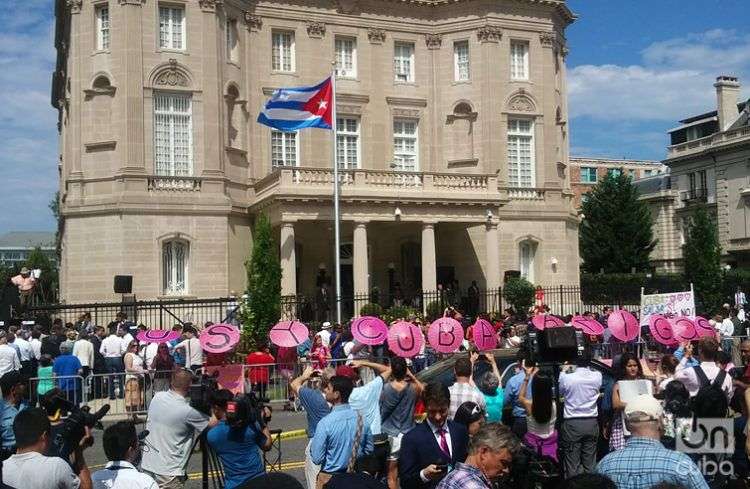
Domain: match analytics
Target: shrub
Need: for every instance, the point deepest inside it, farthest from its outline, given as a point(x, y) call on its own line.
point(519, 292)
point(434, 310)
point(397, 312)
point(371, 310)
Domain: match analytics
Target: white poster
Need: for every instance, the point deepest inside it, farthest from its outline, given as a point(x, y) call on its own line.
point(668, 305)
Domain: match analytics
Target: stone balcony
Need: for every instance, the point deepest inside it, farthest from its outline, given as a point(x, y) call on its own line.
point(173, 184)
point(378, 185)
point(695, 146)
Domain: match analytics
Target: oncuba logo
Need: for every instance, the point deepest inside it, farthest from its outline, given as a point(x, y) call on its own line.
point(708, 435)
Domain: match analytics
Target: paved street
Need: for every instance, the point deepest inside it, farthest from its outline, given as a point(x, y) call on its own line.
point(293, 449)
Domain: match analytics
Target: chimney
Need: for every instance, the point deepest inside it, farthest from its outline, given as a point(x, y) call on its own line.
point(727, 93)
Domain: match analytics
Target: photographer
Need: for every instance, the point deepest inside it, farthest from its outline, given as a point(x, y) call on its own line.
point(172, 424)
point(238, 436)
point(29, 469)
point(123, 450)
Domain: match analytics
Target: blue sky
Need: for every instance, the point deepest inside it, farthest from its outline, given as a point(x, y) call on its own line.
point(635, 67)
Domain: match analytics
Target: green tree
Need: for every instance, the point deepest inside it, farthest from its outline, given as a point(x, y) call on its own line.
point(262, 308)
point(519, 292)
point(54, 207)
point(615, 234)
point(702, 257)
point(46, 288)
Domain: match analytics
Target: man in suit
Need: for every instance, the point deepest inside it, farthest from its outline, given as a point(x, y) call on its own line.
point(434, 447)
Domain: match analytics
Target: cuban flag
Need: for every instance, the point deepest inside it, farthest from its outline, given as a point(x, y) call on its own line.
point(291, 109)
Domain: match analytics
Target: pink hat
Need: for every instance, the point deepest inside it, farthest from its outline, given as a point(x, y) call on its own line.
point(346, 371)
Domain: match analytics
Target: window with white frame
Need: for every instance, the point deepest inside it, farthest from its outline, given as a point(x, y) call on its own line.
point(282, 51)
point(175, 256)
point(283, 148)
point(102, 28)
point(461, 61)
point(403, 61)
point(519, 60)
point(173, 134)
point(233, 52)
point(346, 57)
point(521, 162)
point(588, 174)
point(347, 142)
point(526, 252)
point(171, 27)
point(405, 145)
point(615, 172)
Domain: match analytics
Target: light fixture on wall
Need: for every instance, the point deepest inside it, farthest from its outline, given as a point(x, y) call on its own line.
point(397, 212)
point(490, 215)
point(553, 262)
point(322, 266)
point(391, 266)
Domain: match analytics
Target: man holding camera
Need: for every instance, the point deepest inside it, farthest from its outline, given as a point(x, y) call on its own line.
point(172, 424)
point(123, 450)
point(241, 431)
point(29, 469)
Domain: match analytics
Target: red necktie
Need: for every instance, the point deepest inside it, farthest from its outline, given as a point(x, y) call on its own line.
point(444, 443)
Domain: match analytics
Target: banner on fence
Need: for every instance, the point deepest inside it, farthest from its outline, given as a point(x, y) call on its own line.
point(667, 305)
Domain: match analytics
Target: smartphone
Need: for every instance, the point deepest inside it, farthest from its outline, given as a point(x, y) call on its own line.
point(442, 467)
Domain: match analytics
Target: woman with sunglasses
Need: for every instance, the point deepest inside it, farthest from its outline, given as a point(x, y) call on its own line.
point(541, 413)
point(471, 415)
point(134, 374)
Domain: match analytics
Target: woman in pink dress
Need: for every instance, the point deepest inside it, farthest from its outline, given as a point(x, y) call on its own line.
point(319, 354)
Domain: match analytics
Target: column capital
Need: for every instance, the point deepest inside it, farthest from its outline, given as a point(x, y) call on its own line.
point(361, 224)
point(428, 224)
point(492, 225)
point(288, 224)
point(74, 6)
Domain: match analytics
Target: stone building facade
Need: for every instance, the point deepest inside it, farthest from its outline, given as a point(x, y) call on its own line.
point(452, 140)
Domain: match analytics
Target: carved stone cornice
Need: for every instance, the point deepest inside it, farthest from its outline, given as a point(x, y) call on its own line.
point(172, 76)
point(565, 51)
point(433, 41)
point(346, 6)
point(376, 36)
point(547, 39)
point(74, 6)
point(210, 5)
point(316, 29)
point(138, 3)
point(489, 33)
point(253, 22)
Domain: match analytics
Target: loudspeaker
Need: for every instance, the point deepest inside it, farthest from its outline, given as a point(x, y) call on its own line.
point(509, 274)
point(123, 284)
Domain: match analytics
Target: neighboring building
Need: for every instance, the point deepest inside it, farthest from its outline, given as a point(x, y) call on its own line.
point(663, 201)
point(16, 246)
point(452, 139)
point(586, 172)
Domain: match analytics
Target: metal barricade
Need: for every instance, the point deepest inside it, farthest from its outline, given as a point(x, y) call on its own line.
point(71, 387)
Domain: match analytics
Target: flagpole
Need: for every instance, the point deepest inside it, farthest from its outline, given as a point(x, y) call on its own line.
point(336, 208)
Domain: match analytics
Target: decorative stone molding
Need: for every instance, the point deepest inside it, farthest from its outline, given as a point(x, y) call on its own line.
point(408, 102)
point(349, 109)
point(376, 36)
point(74, 6)
point(172, 76)
point(470, 116)
point(411, 113)
point(346, 6)
point(547, 39)
point(139, 3)
point(521, 102)
point(489, 33)
point(253, 22)
point(565, 51)
point(210, 5)
point(316, 29)
point(433, 41)
point(98, 146)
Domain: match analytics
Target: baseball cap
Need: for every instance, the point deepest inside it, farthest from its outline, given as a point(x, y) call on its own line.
point(643, 408)
point(326, 325)
point(346, 371)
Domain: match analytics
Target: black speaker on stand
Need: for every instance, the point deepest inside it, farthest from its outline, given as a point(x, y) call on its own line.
point(123, 284)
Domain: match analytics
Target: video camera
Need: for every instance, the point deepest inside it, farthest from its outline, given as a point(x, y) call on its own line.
point(558, 345)
point(202, 392)
point(66, 437)
point(247, 409)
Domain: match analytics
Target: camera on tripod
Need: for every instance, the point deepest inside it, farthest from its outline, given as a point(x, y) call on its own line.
point(67, 436)
point(558, 345)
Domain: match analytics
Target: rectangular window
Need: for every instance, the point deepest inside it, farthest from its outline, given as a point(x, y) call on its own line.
point(347, 142)
point(521, 164)
point(282, 51)
point(461, 60)
point(232, 41)
point(615, 172)
point(102, 28)
point(702, 179)
point(173, 134)
point(647, 173)
point(172, 27)
point(283, 148)
point(405, 146)
point(403, 61)
point(588, 174)
point(346, 57)
point(519, 60)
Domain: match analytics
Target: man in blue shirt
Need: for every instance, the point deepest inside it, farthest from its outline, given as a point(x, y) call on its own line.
point(341, 434)
point(178, 355)
point(14, 390)
point(236, 440)
point(316, 408)
point(512, 391)
point(67, 366)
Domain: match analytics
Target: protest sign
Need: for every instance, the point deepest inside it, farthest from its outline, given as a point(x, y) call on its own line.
point(230, 377)
point(369, 330)
point(588, 326)
point(661, 330)
point(542, 321)
point(288, 333)
point(445, 335)
point(623, 325)
point(668, 305)
point(219, 338)
point(157, 336)
point(405, 339)
point(484, 335)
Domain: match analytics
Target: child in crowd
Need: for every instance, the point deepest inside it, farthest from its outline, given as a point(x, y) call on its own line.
point(45, 375)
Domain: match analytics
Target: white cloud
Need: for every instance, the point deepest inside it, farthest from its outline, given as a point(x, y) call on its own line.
point(673, 81)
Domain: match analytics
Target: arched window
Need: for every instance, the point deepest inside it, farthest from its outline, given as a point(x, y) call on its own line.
point(526, 252)
point(175, 254)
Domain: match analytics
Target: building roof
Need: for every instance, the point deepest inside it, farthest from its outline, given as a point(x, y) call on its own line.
point(27, 239)
point(707, 116)
point(578, 160)
point(650, 185)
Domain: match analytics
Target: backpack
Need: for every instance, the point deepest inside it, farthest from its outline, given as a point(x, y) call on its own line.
point(710, 401)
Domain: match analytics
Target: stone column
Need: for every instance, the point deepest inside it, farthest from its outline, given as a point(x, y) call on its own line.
point(288, 260)
point(361, 266)
point(492, 272)
point(429, 266)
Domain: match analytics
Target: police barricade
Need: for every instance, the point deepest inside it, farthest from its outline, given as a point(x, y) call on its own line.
point(70, 386)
